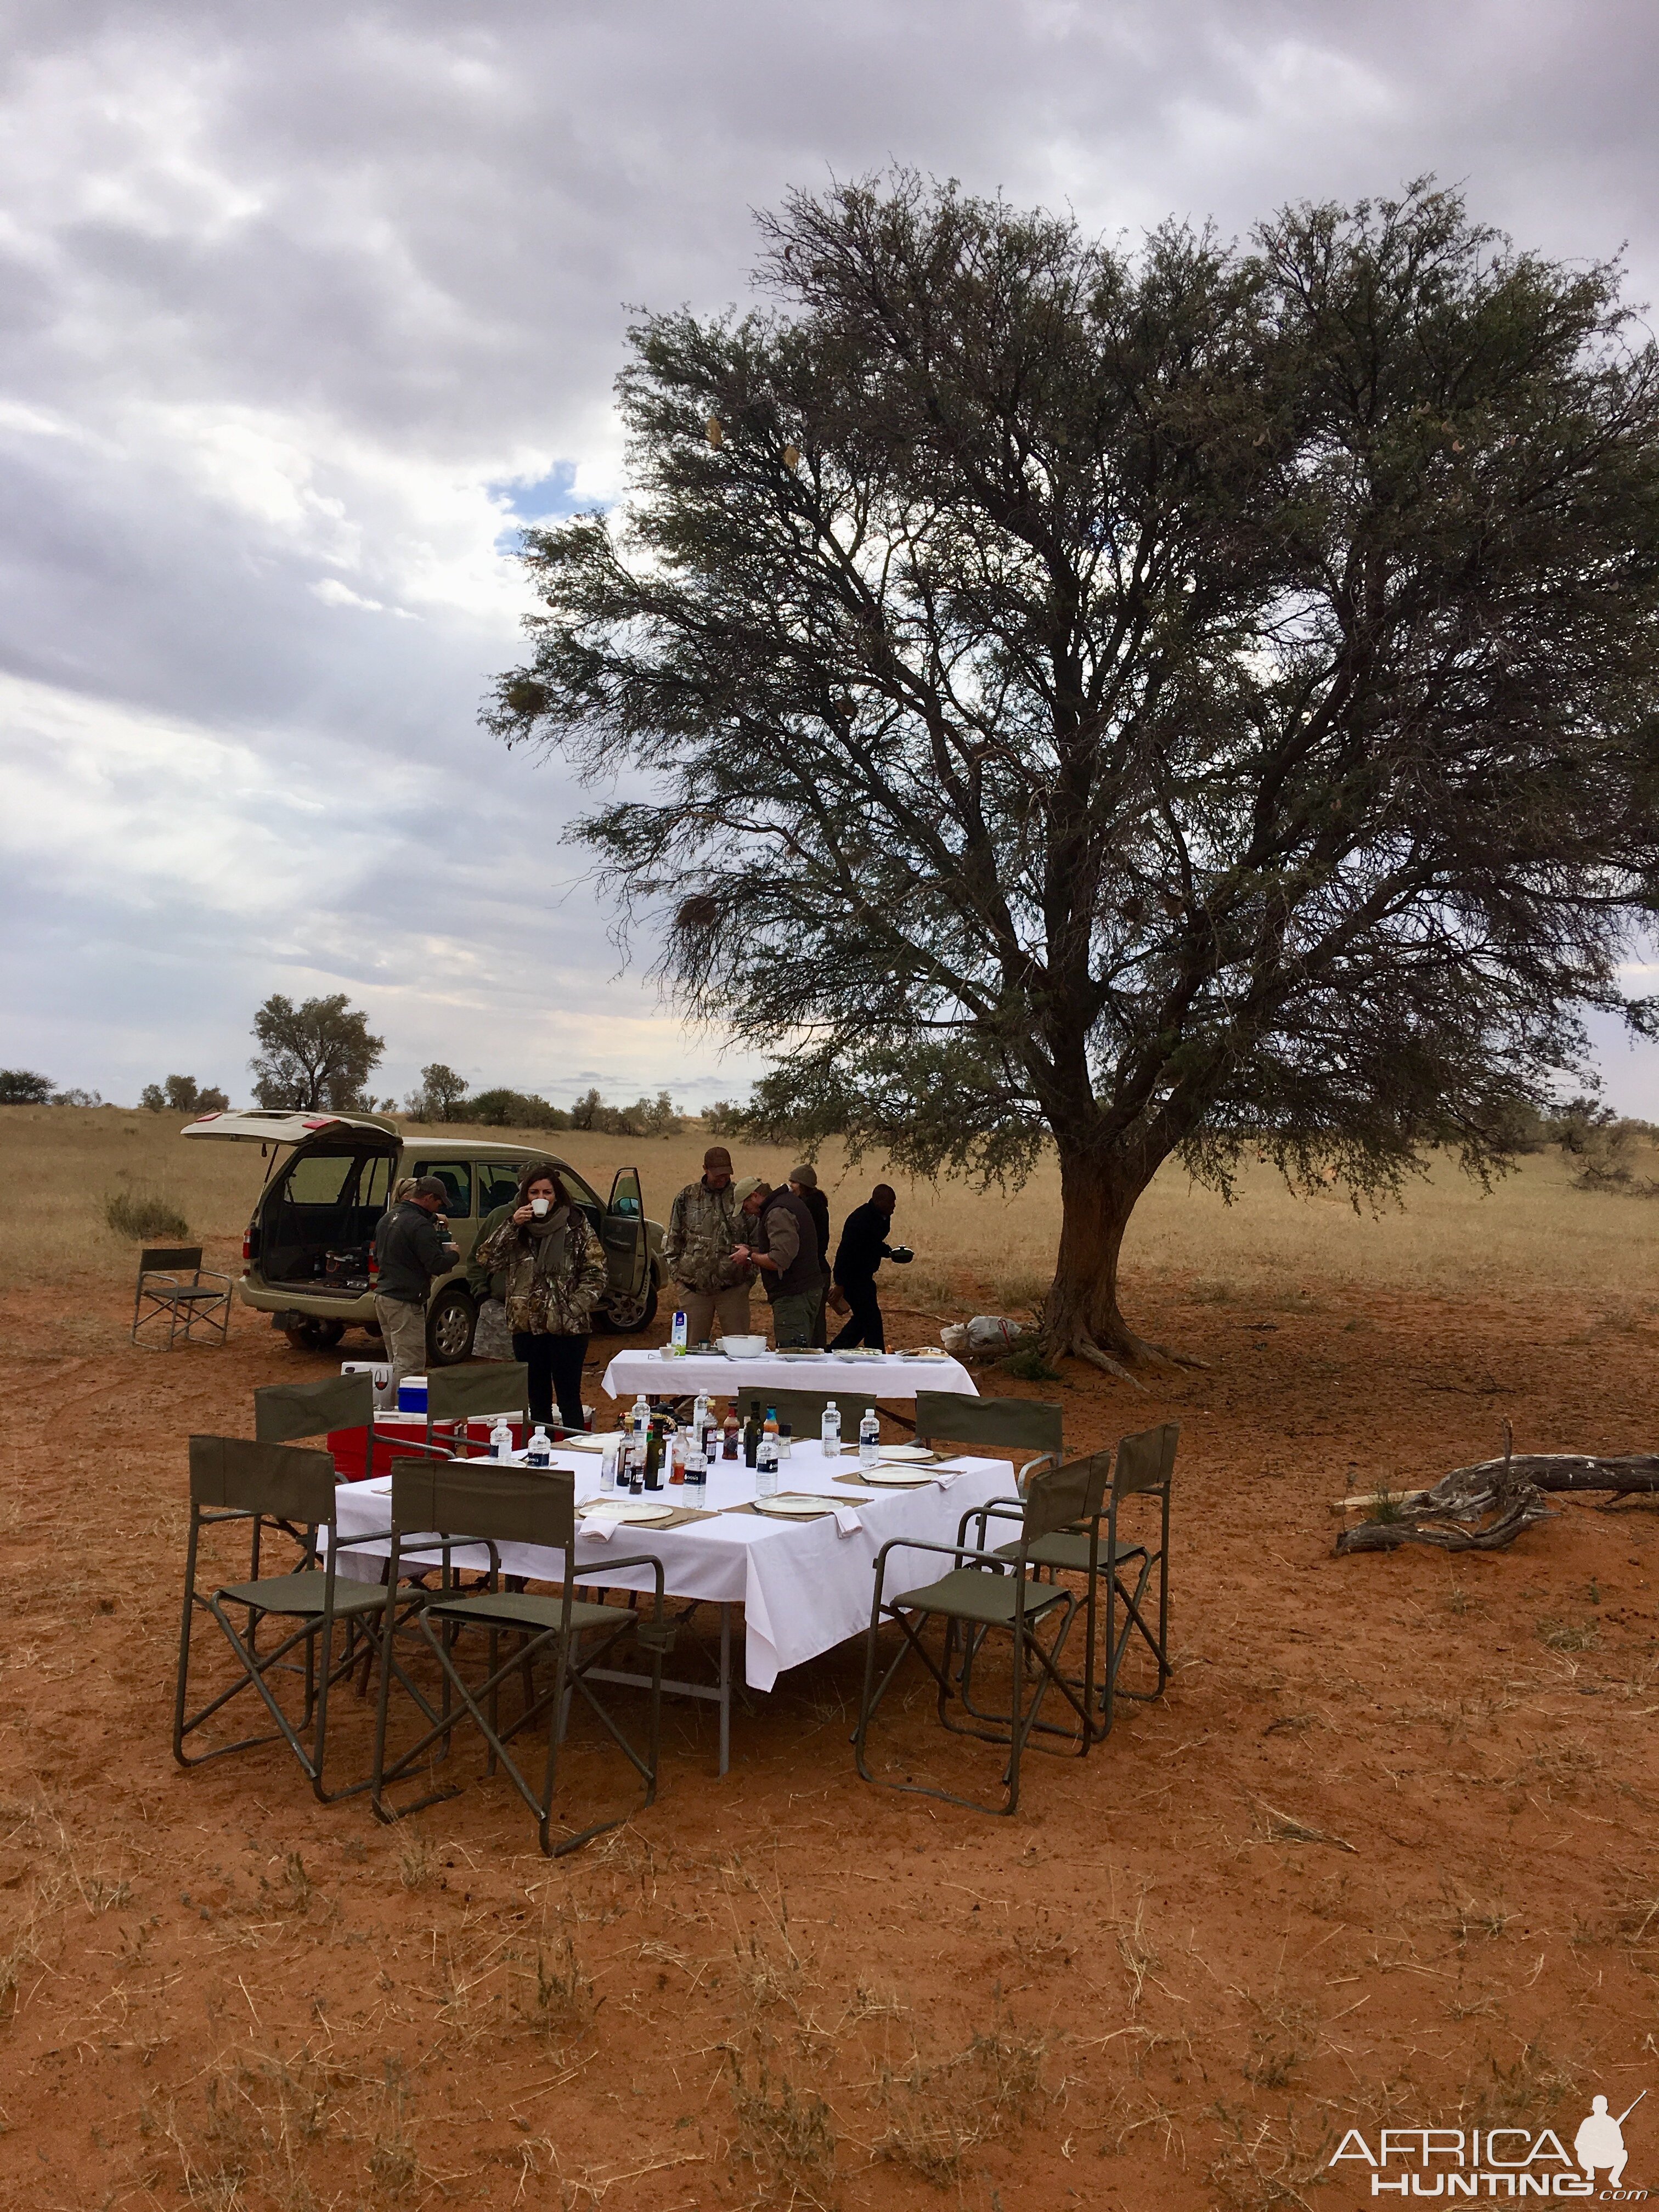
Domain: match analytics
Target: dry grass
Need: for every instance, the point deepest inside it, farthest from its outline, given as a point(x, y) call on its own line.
point(1269, 1248)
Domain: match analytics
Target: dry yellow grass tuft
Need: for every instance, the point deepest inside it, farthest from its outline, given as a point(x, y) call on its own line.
point(1270, 1246)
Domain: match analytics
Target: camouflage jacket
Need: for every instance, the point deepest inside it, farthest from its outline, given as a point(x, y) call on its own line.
point(560, 1301)
point(703, 1225)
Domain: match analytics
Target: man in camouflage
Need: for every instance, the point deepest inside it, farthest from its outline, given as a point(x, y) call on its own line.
point(704, 1225)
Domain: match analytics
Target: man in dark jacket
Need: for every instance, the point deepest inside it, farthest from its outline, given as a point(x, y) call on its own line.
point(412, 1250)
point(804, 1182)
point(783, 1246)
point(862, 1249)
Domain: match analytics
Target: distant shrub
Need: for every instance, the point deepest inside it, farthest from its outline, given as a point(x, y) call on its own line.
point(646, 1117)
point(502, 1109)
point(19, 1087)
point(143, 1214)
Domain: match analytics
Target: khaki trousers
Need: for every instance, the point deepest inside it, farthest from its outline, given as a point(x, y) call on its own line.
point(404, 1329)
point(702, 1308)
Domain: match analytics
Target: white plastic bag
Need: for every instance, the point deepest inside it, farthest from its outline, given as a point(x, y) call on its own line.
point(993, 1332)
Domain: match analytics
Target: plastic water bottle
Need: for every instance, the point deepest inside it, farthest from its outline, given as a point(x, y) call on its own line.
point(869, 1439)
point(697, 1466)
point(766, 1466)
point(539, 1452)
point(501, 1439)
point(829, 1431)
point(608, 1463)
point(639, 1420)
point(678, 1332)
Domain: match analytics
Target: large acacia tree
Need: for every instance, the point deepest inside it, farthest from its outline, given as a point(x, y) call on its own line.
point(1151, 701)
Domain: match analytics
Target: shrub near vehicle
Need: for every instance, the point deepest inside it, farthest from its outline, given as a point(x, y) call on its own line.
point(308, 1254)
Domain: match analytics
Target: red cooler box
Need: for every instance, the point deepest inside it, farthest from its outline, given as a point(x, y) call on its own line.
point(394, 1431)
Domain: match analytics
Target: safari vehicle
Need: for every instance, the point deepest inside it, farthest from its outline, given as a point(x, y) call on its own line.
point(306, 1255)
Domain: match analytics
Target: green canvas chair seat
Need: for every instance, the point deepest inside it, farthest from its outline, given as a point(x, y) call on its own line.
point(1067, 1551)
point(304, 1595)
point(969, 1594)
point(521, 1609)
point(448, 1506)
point(983, 1595)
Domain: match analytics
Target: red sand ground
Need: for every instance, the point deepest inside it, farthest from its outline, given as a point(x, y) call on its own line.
point(1384, 1851)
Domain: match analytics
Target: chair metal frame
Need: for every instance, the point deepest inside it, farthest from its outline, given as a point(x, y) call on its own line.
point(185, 1306)
point(1057, 1498)
point(444, 1507)
point(293, 1492)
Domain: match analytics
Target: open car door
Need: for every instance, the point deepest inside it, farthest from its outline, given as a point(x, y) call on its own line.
point(622, 1231)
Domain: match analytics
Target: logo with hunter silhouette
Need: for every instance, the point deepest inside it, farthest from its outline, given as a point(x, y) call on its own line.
point(1599, 2145)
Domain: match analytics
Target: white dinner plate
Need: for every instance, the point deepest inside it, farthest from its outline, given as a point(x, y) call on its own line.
point(794, 1505)
point(907, 1451)
point(881, 1474)
point(624, 1508)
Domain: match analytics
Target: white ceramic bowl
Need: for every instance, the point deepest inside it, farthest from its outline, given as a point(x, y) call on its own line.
point(743, 1347)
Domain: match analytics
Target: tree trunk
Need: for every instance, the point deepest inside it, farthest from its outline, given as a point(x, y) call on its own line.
point(1081, 1316)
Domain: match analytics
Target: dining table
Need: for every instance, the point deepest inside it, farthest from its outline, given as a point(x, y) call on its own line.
point(793, 1587)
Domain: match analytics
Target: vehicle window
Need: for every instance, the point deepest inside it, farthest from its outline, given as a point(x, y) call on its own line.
point(581, 1197)
point(456, 1177)
point(625, 1197)
point(376, 1183)
point(320, 1178)
point(497, 1186)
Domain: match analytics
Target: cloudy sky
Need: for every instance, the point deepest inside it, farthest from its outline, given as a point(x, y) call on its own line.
point(306, 308)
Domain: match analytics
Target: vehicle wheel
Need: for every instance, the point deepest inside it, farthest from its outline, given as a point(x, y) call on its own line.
point(627, 1318)
point(315, 1335)
point(449, 1326)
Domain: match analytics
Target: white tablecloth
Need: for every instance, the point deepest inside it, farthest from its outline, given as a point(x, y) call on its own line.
point(804, 1586)
point(892, 1375)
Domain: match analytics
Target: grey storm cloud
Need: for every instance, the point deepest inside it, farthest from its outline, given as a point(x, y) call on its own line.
point(304, 310)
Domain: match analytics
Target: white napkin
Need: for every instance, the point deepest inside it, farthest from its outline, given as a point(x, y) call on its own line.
point(847, 1521)
point(944, 1476)
point(599, 1528)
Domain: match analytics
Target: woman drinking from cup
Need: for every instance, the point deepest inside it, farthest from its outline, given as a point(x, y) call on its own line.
point(556, 1275)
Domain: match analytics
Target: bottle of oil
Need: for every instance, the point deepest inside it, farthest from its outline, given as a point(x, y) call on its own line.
point(751, 1433)
point(732, 1433)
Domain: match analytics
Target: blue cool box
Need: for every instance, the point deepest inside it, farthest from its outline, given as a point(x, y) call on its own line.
point(411, 1394)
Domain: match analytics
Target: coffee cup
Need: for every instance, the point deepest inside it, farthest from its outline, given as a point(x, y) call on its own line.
point(540, 1207)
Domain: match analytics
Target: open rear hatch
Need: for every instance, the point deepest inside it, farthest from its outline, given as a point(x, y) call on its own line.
point(313, 1227)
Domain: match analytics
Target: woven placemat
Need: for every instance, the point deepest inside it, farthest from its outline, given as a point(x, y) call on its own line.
point(675, 1519)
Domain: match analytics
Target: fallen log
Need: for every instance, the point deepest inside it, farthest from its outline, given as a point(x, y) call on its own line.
point(1627, 1472)
point(1484, 1507)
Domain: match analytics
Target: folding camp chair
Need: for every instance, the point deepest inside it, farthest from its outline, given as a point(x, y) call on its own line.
point(436, 1506)
point(186, 1308)
point(993, 1593)
point(1002, 1423)
point(273, 1486)
point(283, 1411)
point(1145, 1468)
point(464, 1394)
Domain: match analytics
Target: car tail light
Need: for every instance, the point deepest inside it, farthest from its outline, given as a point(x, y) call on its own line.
point(248, 1244)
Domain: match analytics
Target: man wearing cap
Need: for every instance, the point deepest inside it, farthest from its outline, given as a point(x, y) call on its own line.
point(862, 1249)
point(412, 1249)
point(804, 1182)
point(704, 1225)
point(783, 1248)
